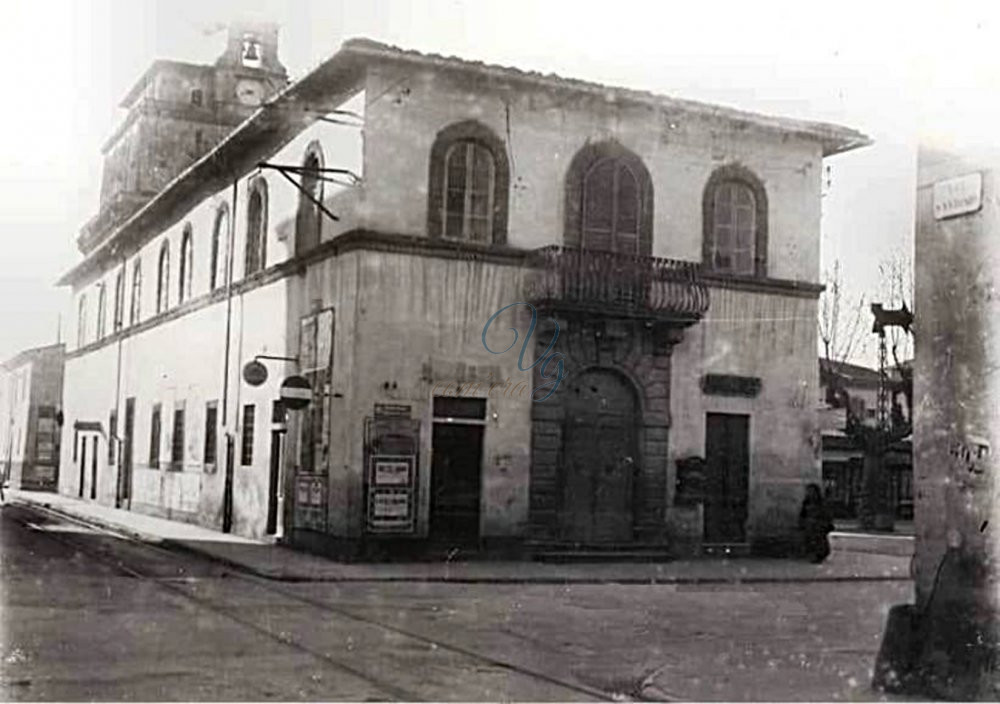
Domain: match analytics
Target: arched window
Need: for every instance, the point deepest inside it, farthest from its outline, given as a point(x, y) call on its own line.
point(119, 299)
point(81, 321)
point(609, 201)
point(308, 221)
point(135, 311)
point(220, 239)
point(163, 278)
point(102, 306)
point(469, 183)
point(186, 265)
point(256, 251)
point(734, 217)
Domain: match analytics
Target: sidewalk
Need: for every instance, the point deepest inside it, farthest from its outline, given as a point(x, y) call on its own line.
point(284, 564)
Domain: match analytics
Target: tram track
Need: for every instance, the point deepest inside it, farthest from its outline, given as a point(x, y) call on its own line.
point(186, 586)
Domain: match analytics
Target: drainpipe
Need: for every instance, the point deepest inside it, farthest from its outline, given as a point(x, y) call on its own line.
point(119, 310)
point(227, 494)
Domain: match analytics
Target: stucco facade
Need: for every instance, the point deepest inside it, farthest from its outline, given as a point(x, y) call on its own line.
point(30, 400)
point(409, 385)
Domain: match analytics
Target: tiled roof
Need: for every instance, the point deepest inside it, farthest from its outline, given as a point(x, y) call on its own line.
point(834, 138)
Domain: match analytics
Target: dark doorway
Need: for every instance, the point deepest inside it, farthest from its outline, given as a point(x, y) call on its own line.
point(599, 459)
point(82, 439)
point(727, 474)
point(456, 483)
point(93, 468)
point(272, 482)
point(125, 462)
point(227, 488)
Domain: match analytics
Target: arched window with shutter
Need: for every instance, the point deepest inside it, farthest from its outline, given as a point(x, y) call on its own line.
point(102, 310)
point(135, 312)
point(163, 278)
point(185, 273)
point(734, 217)
point(308, 220)
point(119, 299)
point(81, 321)
point(468, 185)
point(609, 201)
point(220, 247)
point(256, 247)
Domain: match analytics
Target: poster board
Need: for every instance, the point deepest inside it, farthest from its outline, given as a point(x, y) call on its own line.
point(391, 494)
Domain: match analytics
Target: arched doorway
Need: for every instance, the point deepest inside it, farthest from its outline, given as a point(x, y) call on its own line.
point(599, 458)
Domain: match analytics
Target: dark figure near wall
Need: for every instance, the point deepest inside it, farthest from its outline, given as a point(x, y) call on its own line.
point(815, 522)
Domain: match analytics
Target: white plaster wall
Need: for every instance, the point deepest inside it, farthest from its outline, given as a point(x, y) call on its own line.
point(773, 338)
point(544, 130)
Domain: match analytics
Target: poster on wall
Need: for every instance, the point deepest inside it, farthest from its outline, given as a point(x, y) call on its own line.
point(392, 494)
point(310, 502)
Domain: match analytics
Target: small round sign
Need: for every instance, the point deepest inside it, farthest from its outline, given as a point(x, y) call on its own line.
point(254, 373)
point(296, 392)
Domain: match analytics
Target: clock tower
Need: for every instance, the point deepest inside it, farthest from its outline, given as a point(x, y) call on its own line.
point(249, 72)
point(177, 112)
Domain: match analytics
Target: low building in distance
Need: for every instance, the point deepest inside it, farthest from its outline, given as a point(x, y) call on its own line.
point(31, 385)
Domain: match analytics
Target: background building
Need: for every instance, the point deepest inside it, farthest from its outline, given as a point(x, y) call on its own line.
point(30, 400)
point(843, 453)
point(675, 245)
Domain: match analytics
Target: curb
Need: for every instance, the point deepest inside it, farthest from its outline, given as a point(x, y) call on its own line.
point(679, 580)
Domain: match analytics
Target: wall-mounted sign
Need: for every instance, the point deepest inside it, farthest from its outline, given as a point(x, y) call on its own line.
point(296, 392)
point(254, 373)
point(730, 385)
point(958, 196)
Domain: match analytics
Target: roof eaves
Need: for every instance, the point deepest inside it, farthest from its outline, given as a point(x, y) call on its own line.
point(834, 139)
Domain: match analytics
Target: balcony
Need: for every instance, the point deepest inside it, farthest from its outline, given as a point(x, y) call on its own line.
point(607, 283)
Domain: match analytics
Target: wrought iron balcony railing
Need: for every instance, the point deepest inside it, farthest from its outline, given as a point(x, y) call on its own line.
point(609, 283)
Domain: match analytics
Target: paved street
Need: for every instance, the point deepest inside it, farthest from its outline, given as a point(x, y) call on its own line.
point(89, 615)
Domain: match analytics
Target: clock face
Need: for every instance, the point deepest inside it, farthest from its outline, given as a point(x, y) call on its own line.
point(250, 92)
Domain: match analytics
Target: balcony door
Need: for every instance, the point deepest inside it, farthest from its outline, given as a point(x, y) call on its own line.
point(599, 454)
point(612, 206)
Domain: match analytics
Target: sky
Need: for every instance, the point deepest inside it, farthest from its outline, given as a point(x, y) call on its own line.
point(900, 72)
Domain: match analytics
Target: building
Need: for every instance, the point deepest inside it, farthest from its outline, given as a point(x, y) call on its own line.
point(843, 454)
point(378, 228)
point(30, 398)
point(949, 638)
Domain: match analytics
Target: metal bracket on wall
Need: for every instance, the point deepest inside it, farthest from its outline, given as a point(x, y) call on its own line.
point(320, 173)
point(276, 357)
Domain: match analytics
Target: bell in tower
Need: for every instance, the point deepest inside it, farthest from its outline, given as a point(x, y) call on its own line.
point(251, 51)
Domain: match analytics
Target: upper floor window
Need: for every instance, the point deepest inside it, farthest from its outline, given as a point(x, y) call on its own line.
point(136, 306)
point(186, 265)
point(469, 181)
point(163, 278)
point(735, 223)
point(256, 251)
point(220, 238)
point(609, 201)
point(119, 299)
point(102, 306)
point(308, 220)
point(81, 321)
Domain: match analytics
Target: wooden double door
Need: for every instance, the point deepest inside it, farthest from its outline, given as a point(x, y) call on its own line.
point(599, 459)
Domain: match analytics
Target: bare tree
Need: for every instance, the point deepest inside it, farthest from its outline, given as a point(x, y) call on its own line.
point(841, 331)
